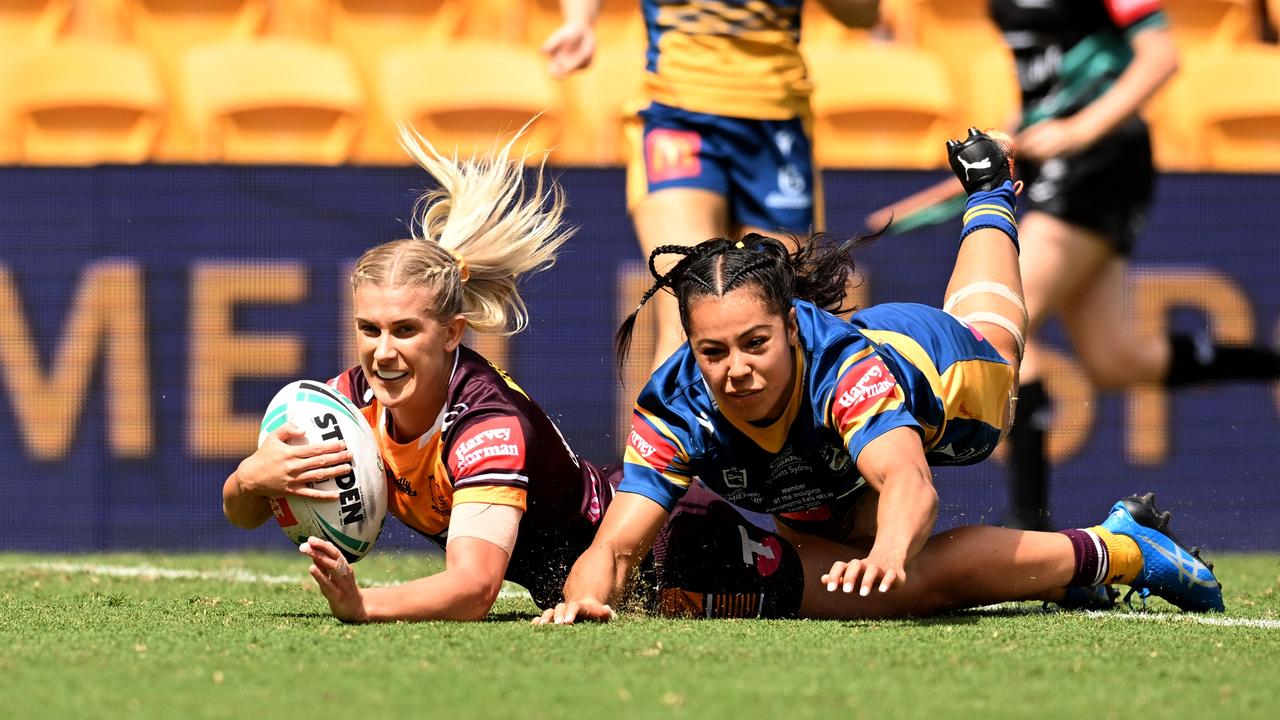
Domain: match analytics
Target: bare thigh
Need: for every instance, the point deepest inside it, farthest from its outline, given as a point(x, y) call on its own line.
point(1099, 322)
point(960, 568)
point(676, 216)
point(1058, 262)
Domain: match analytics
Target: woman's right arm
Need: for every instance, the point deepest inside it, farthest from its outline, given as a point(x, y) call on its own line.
point(600, 577)
point(277, 469)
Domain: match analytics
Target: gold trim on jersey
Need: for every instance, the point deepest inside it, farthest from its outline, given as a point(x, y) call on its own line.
point(920, 359)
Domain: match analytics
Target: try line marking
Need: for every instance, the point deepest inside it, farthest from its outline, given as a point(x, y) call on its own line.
point(151, 572)
point(240, 575)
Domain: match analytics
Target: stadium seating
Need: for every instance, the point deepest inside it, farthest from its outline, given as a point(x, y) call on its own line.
point(1241, 127)
point(12, 60)
point(1218, 23)
point(86, 103)
point(274, 101)
point(992, 89)
point(951, 30)
point(171, 28)
point(897, 115)
point(32, 21)
point(487, 89)
point(369, 29)
point(597, 98)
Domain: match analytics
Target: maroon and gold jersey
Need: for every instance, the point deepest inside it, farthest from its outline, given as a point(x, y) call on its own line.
point(492, 444)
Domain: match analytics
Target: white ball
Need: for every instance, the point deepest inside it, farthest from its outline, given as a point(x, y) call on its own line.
point(352, 522)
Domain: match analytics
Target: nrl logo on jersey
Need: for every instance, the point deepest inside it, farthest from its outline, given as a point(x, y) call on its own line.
point(734, 478)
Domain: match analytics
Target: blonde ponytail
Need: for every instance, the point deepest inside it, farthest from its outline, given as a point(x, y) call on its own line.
point(475, 235)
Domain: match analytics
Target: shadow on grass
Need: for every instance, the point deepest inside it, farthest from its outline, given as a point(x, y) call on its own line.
point(511, 616)
point(970, 616)
point(304, 615)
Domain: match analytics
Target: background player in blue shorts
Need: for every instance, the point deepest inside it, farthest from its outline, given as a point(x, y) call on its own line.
point(1086, 67)
point(781, 407)
point(723, 146)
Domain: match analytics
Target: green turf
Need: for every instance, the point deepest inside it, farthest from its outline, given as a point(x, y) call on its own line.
point(77, 644)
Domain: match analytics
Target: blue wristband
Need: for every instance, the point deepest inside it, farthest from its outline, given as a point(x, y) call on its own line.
point(992, 209)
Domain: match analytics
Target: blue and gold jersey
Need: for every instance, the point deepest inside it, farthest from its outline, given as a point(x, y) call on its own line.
point(736, 58)
point(892, 365)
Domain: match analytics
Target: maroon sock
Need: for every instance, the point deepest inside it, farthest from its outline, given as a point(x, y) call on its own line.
point(1089, 557)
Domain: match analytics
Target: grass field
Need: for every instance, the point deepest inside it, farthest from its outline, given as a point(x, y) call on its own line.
point(245, 636)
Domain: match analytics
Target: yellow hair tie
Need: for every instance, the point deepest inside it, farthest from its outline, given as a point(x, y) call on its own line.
point(464, 270)
point(739, 245)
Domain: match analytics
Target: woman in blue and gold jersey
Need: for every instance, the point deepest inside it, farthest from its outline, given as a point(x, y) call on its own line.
point(831, 426)
point(723, 146)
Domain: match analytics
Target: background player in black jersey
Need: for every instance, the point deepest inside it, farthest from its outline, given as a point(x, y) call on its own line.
point(1086, 67)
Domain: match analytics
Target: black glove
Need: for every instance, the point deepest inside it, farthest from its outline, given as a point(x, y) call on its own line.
point(980, 162)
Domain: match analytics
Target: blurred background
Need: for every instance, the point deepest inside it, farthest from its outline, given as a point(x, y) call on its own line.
point(184, 185)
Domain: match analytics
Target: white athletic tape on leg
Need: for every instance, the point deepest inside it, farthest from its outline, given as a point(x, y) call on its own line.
point(989, 288)
point(1000, 321)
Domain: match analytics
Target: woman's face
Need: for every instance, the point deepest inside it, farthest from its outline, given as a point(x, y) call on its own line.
point(744, 352)
point(405, 351)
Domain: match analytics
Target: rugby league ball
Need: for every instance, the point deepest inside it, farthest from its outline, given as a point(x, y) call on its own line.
point(354, 520)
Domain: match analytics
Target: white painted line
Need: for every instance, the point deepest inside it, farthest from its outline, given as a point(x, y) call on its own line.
point(151, 572)
point(1027, 608)
point(1185, 618)
point(238, 575)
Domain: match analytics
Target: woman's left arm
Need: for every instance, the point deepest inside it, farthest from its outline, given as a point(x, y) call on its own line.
point(465, 590)
point(893, 464)
point(1155, 60)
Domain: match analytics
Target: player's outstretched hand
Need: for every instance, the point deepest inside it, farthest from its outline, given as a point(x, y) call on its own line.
point(567, 613)
point(874, 572)
point(982, 161)
point(336, 579)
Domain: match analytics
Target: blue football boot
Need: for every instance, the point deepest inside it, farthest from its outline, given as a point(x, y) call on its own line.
point(1083, 597)
point(1169, 569)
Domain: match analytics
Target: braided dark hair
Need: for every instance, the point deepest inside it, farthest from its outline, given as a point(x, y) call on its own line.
point(818, 271)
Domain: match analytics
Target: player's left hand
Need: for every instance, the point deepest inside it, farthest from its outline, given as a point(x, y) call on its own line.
point(1051, 139)
point(876, 571)
point(336, 579)
point(571, 47)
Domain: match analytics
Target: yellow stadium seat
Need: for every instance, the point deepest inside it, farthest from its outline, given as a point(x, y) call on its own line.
point(368, 29)
point(951, 30)
point(273, 101)
point(597, 98)
point(1216, 23)
point(618, 19)
point(993, 97)
point(896, 115)
point(475, 92)
point(1176, 140)
point(85, 103)
point(171, 28)
point(32, 21)
point(596, 102)
point(12, 67)
point(1237, 100)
